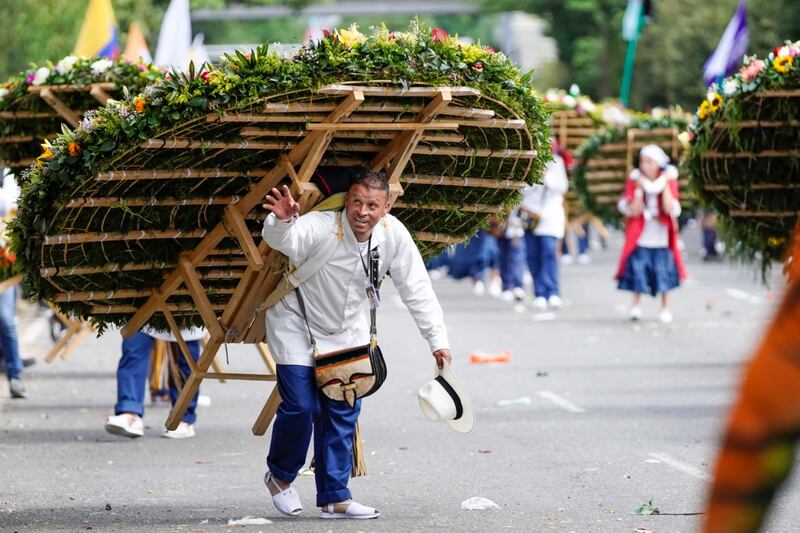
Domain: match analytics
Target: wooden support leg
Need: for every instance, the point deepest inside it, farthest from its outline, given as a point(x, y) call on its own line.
point(267, 413)
point(192, 384)
point(219, 368)
point(263, 349)
point(81, 334)
point(71, 330)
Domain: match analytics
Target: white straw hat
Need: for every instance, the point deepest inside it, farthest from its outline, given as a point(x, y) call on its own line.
point(445, 399)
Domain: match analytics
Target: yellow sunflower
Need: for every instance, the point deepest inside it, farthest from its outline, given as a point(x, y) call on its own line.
point(702, 113)
point(714, 102)
point(782, 64)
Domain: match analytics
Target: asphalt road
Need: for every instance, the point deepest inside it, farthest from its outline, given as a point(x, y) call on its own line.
point(604, 417)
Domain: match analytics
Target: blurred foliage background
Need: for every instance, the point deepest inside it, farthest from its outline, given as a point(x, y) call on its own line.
point(591, 52)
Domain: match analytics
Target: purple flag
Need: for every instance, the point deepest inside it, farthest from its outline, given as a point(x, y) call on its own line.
point(731, 48)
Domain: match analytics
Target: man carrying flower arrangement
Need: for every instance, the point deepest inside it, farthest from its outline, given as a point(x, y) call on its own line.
point(334, 297)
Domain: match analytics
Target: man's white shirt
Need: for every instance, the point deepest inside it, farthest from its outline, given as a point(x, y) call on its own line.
point(335, 297)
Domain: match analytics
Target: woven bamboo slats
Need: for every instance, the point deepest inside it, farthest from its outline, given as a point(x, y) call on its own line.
point(207, 203)
point(572, 129)
point(21, 150)
point(749, 171)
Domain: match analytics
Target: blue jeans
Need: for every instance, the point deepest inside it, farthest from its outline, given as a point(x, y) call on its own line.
point(543, 264)
point(512, 262)
point(583, 242)
point(132, 375)
point(303, 408)
point(8, 333)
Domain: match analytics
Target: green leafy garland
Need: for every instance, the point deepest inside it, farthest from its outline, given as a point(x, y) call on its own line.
point(723, 124)
point(74, 71)
point(419, 56)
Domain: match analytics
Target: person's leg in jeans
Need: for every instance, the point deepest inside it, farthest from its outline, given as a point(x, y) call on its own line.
point(132, 373)
point(516, 260)
point(549, 265)
point(194, 349)
point(505, 263)
point(9, 343)
point(334, 428)
point(294, 421)
point(531, 256)
point(583, 242)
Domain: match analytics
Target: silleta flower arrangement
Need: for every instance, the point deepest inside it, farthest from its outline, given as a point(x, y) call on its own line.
point(213, 129)
point(744, 156)
point(26, 119)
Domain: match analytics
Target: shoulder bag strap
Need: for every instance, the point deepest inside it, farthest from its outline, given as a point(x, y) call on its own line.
point(305, 318)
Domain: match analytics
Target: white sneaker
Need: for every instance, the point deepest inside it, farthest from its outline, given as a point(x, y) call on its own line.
point(665, 315)
point(183, 431)
point(635, 313)
point(584, 259)
point(125, 425)
point(507, 296)
point(540, 303)
point(554, 302)
point(495, 288)
point(567, 259)
point(479, 288)
point(519, 294)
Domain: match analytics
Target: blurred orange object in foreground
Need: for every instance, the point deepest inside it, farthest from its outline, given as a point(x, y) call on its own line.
point(477, 358)
point(758, 447)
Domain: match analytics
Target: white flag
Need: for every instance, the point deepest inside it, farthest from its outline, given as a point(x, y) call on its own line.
point(175, 37)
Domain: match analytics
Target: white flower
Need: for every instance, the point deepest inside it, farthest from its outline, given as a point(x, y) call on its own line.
point(101, 65)
point(658, 113)
point(42, 73)
point(66, 64)
point(3, 92)
point(730, 86)
point(569, 101)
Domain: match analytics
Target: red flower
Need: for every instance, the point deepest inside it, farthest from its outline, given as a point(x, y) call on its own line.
point(326, 33)
point(477, 67)
point(392, 37)
point(776, 50)
point(204, 75)
point(439, 35)
point(489, 49)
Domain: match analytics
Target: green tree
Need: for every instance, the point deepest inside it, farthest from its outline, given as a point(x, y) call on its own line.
point(672, 49)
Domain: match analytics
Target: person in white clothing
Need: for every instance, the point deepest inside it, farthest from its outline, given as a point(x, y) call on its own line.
point(544, 203)
point(335, 300)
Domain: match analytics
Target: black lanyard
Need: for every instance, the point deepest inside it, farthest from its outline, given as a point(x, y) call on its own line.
point(361, 256)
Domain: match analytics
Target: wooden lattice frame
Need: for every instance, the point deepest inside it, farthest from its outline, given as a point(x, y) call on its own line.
point(573, 129)
point(255, 268)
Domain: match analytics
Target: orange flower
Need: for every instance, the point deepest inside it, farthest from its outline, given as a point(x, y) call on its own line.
point(139, 104)
point(74, 149)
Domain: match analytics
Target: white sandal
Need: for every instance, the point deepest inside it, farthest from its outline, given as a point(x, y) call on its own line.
point(286, 501)
point(354, 511)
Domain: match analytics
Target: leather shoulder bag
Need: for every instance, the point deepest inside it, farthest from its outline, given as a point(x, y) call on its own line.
point(351, 373)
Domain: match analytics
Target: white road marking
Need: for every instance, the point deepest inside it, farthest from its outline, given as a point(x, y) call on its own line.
point(681, 466)
point(561, 401)
point(541, 317)
point(741, 295)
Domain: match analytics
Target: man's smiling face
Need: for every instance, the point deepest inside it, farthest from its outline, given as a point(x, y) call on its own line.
point(365, 207)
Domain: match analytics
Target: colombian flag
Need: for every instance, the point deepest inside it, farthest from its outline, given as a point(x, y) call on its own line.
point(99, 34)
